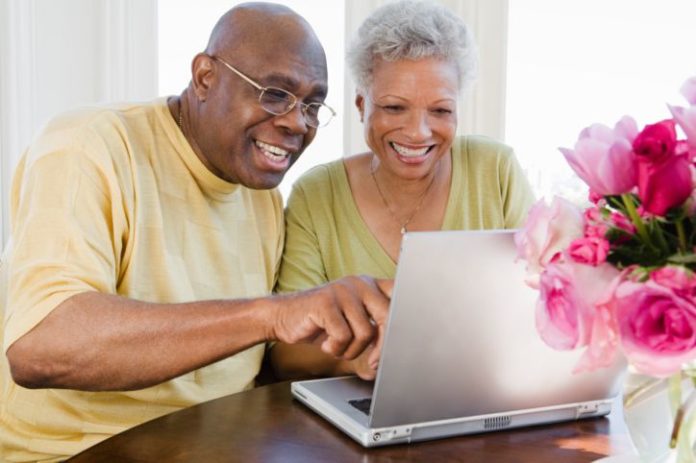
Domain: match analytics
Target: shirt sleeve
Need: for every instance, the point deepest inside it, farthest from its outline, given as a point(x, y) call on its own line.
point(516, 192)
point(67, 234)
point(302, 266)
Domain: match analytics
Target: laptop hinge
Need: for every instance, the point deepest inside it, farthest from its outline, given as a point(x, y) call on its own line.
point(587, 410)
point(385, 435)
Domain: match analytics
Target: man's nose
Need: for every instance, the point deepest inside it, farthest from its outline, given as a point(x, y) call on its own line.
point(293, 121)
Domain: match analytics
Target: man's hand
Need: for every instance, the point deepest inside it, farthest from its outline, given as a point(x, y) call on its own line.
point(343, 317)
point(362, 366)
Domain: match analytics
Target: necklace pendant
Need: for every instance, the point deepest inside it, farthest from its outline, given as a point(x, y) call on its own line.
point(403, 230)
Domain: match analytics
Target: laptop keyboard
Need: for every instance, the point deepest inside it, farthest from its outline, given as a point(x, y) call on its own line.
point(362, 404)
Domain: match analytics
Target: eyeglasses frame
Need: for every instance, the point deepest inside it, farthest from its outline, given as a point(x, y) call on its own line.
point(303, 106)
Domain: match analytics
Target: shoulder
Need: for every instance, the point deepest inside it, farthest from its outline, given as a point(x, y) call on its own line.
point(89, 128)
point(482, 148)
point(95, 142)
point(321, 178)
point(105, 117)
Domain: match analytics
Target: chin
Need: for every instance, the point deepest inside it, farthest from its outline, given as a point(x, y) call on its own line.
point(267, 182)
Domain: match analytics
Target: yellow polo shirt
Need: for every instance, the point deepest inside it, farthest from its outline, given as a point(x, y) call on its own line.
point(114, 200)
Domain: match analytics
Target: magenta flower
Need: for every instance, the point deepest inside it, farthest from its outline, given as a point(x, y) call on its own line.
point(664, 177)
point(620, 275)
point(603, 158)
point(547, 231)
point(657, 326)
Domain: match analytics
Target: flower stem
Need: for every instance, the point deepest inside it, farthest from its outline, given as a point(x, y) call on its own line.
point(682, 236)
point(635, 218)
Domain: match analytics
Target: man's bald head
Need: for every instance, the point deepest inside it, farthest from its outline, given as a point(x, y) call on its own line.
point(254, 48)
point(260, 26)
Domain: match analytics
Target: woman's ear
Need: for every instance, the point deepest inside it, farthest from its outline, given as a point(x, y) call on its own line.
point(202, 75)
point(360, 104)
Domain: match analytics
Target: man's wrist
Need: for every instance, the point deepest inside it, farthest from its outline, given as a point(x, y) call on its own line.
point(268, 311)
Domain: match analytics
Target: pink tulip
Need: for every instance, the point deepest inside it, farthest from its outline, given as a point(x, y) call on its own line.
point(688, 89)
point(547, 231)
point(686, 118)
point(566, 314)
point(657, 326)
point(603, 157)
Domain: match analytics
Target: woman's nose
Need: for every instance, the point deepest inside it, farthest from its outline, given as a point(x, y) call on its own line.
point(417, 126)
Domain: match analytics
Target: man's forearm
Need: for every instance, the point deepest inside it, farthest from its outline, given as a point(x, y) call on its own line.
point(99, 342)
point(96, 342)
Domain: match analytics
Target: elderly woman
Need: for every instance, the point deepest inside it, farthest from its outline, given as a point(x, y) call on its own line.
point(410, 61)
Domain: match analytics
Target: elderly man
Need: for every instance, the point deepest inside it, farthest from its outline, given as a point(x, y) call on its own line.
point(146, 240)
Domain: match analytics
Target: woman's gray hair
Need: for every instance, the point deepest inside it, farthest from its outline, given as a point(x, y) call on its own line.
point(414, 30)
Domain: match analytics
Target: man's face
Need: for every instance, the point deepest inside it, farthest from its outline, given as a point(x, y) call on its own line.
point(239, 140)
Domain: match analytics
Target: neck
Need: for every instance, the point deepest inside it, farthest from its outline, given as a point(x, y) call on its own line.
point(400, 191)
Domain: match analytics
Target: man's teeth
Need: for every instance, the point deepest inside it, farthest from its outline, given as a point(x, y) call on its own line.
point(273, 152)
point(408, 152)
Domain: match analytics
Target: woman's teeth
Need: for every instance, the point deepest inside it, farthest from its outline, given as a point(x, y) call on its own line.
point(408, 152)
point(273, 152)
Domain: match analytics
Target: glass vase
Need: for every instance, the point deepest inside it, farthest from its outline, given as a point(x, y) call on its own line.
point(651, 408)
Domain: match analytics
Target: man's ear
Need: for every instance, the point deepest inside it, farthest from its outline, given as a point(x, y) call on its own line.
point(360, 104)
point(202, 75)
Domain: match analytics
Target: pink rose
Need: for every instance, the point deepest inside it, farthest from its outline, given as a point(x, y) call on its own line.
point(621, 221)
point(590, 250)
point(594, 197)
point(679, 279)
point(547, 231)
point(595, 226)
point(657, 326)
point(566, 315)
point(603, 157)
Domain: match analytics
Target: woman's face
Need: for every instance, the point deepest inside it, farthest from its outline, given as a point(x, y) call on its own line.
point(410, 114)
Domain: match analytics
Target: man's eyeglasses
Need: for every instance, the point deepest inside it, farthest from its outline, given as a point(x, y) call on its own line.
point(279, 102)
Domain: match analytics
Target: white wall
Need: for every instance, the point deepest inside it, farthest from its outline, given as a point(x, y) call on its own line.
point(56, 55)
point(576, 63)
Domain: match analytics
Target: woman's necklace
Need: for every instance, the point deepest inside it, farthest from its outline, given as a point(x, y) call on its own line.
point(421, 200)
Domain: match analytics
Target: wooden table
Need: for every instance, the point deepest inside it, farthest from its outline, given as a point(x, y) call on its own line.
point(266, 425)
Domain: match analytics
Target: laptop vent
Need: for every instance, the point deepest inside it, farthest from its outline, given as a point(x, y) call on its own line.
point(496, 423)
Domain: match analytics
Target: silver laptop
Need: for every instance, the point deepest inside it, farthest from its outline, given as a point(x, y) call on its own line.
point(461, 353)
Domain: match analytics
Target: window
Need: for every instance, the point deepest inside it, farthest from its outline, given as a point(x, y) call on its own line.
point(184, 27)
point(572, 64)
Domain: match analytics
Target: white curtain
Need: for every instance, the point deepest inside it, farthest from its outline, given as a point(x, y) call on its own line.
point(56, 55)
point(482, 109)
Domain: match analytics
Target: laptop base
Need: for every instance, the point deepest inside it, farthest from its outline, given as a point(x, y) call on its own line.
point(322, 397)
